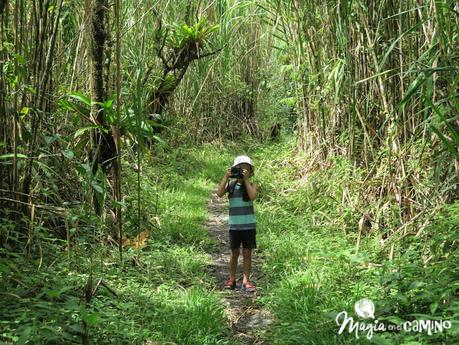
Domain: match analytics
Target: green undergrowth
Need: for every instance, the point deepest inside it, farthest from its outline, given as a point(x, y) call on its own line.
point(308, 219)
point(161, 294)
point(307, 225)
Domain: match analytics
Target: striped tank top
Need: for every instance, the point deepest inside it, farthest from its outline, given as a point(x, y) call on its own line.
point(241, 213)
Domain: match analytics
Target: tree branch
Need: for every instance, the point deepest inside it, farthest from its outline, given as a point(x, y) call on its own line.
point(210, 53)
point(160, 52)
point(160, 55)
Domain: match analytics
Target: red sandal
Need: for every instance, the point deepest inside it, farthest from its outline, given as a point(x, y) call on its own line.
point(248, 287)
point(230, 284)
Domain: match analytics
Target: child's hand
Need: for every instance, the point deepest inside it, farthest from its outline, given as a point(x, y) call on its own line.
point(245, 174)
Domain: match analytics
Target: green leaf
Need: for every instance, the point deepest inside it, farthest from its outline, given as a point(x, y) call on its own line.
point(80, 97)
point(83, 130)
point(53, 293)
point(414, 86)
point(24, 111)
point(158, 139)
point(68, 154)
point(402, 298)
point(445, 141)
point(395, 320)
point(109, 102)
point(72, 106)
point(25, 336)
point(453, 131)
point(97, 187)
point(416, 284)
point(51, 139)
point(11, 155)
point(84, 169)
point(119, 204)
point(433, 307)
point(92, 319)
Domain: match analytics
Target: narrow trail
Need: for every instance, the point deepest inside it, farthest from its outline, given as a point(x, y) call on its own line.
point(248, 320)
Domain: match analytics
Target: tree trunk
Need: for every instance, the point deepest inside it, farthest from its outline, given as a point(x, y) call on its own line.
point(104, 149)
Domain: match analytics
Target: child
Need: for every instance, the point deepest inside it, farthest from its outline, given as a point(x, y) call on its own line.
point(241, 193)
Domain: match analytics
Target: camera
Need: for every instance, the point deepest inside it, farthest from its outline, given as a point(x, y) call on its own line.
point(236, 172)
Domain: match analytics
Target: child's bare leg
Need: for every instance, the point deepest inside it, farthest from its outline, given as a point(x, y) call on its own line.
point(233, 263)
point(247, 253)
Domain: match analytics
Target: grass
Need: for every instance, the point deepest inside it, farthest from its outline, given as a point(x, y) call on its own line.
point(173, 288)
point(307, 224)
point(307, 229)
point(164, 292)
point(307, 218)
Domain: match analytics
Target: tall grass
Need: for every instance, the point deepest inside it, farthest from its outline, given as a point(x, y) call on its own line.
point(164, 292)
point(308, 215)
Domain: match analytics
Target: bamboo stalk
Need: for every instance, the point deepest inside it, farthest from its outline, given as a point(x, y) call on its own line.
point(118, 197)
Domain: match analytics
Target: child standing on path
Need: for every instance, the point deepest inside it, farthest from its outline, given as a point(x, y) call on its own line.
point(242, 224)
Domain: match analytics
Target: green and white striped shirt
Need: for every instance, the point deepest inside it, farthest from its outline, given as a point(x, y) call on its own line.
point(241, 213)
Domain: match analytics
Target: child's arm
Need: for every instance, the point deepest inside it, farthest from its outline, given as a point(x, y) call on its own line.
point(251, 187)
point(222, 186)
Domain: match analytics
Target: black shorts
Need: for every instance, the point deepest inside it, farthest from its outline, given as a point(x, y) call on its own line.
point(246, 237)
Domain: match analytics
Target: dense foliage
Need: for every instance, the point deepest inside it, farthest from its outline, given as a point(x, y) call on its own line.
point(118, 118)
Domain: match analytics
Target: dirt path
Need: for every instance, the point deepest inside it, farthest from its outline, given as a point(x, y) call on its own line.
point(246, 317)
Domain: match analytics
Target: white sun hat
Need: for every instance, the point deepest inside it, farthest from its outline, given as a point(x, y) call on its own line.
point(243, 159)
